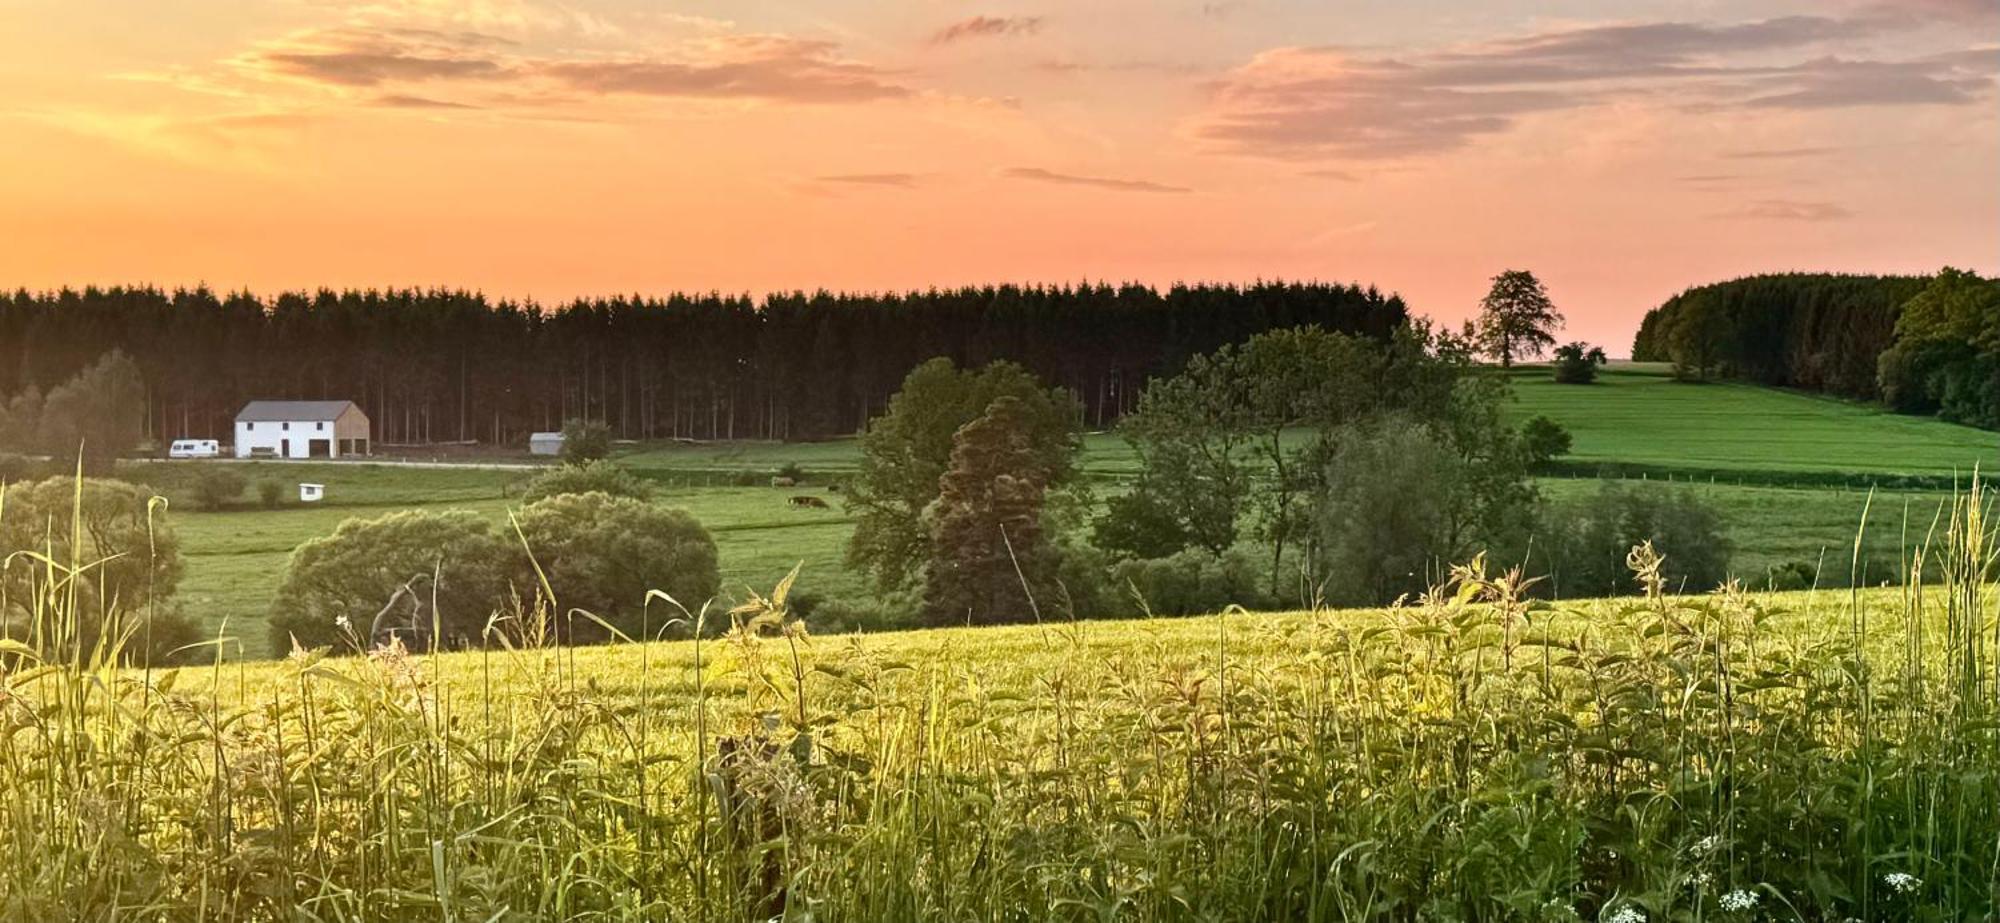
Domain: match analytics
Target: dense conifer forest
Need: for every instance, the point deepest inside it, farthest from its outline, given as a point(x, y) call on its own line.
point(445, 366)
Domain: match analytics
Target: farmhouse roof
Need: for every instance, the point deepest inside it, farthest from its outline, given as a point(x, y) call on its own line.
point(283, 411)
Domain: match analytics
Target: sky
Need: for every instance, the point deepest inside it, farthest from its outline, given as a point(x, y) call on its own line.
point(549, 149)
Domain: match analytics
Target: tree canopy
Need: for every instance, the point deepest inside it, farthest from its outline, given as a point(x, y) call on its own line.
point(442, 365)
point(124, 548)
point(96, 415)
point(907, 450)
point(1245, 433)
point(1516, 318)
point(990, 561)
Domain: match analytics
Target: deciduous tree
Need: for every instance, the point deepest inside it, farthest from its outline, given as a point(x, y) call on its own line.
point(1516, 318)
point(908, 449)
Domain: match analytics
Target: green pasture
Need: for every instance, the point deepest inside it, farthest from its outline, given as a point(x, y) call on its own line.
point(1638, 414)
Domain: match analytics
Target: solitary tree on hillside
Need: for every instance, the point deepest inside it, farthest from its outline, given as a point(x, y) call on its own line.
point(987, 549)
point(1516, 318)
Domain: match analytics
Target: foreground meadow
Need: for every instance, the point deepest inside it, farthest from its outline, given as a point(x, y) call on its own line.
point(1470, 755)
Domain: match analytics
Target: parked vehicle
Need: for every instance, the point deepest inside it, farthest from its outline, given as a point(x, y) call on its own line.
point(194, 448)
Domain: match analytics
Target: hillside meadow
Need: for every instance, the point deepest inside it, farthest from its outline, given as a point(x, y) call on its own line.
point(1637, 414)
point(1472, 755)
point(1762, 457)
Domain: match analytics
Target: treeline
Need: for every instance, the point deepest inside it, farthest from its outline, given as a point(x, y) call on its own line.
point(1921, 345)
point(445, 366)
point(1819, 332)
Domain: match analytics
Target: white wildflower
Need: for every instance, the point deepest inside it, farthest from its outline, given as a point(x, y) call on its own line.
point(1902, 882)
point(1738, 901)
point(343, 623)
point(1701, 879)
point(1706, 845)
point(1626, 914)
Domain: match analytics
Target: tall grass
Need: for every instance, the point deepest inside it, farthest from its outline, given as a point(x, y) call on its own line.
point(1468, 755)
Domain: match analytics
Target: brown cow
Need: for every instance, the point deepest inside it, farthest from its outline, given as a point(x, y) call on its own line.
point(813, 503)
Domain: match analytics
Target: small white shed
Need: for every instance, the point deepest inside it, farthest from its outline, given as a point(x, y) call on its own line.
point(545, 443)
point(311, 493)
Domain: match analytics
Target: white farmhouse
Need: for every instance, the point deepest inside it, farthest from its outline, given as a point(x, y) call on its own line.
point(301, 429)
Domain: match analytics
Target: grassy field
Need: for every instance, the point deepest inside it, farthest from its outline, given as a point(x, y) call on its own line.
point(235, 558)
point(1464, 758)
point(1637, 413)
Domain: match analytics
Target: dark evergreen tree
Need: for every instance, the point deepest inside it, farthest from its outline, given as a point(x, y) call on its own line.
point(989, 560)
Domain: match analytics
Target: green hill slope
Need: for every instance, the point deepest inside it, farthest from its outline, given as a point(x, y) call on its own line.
point(1637, 414)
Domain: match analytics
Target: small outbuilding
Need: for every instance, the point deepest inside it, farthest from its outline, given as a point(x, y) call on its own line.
point(311, 493)
point(545, 443)
point(301, 429)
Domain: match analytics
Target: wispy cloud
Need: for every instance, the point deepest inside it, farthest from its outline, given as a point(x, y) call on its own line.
point(1789, 210)
point(357, 57)
point(1040, 175)
point(987, 27)
point(1316, 102)
point(727, 66)
point(753, 66)
point(1780, 153)
point(406, 101)
point(885, 180)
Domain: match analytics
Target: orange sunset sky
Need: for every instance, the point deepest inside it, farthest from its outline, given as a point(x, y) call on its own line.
point(554, 148)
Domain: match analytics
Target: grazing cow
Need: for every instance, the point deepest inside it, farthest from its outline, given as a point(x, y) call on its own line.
point(784, 482)
point(814, 503)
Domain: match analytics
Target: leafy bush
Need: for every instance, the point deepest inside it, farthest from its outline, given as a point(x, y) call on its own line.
point(1585, 540)
point(603, 554)
point(1189, 583)
point(1404, 499)
point(1576, 363)
point(409, 568)
point(217, 486)
point(113, 529)
point(791, 471)
point(1545, 440)
point(1791, 575)
point(271, 493)
point(597, 476)
point(585, 440)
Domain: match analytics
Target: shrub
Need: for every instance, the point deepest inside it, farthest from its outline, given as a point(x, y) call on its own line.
point(585, 440)
point(1791, 575)
point(602, 554)
point(399, 567)
point(1142, 525)
point(792, 472)
point(1576, 363)
point(1403, 500)
point(217, 486)
point(598, 476)
point(1586, 539)
point(1189, 583)
point(1545, 440)
point(129, 546)
point(271, 493)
